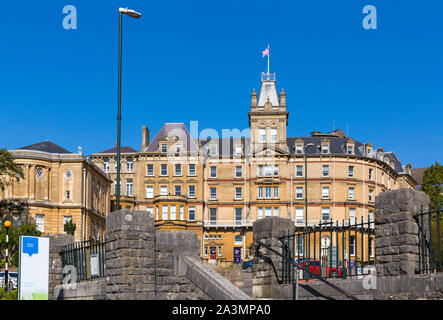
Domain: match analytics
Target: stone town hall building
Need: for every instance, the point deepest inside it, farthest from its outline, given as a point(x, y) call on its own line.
point(218, 187)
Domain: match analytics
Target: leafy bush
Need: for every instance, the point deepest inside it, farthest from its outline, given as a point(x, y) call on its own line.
point(70, 227)
point(10, 295)
point(14, 238)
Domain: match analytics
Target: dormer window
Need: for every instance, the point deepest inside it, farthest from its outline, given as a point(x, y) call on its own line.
point(178, 148)
point(213, 150)
point(238, 150)
point(325, 148)
point(299, 149)
point(350, 149)
point(164, 148)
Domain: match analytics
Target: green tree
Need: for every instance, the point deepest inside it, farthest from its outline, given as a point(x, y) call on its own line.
point(9, 170)
point(14, 237)
point(431, 185)
point(70, 227)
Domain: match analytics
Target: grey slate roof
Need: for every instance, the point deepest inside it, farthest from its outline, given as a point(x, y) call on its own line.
point(337, 145)
point(46, 146)
point(122, 150)
point(175, 129)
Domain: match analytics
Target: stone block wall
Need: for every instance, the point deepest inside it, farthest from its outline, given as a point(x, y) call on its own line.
point(397, 232)
point(130, 256)
point(56, 241)
point(143, 263)
point(265, 283)
point(170, 249)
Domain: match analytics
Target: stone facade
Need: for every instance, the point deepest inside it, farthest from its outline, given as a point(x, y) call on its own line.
point(59, 185)
point(217, 187)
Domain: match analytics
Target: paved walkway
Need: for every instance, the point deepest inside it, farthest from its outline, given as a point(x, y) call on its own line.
point(247, 283)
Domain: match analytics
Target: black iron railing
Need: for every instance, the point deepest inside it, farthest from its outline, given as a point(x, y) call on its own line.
point(86, 258)
point(430, 240)
point(296, 266)
point(329, 250)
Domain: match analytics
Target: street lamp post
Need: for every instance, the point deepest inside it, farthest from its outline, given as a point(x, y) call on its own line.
point(305, 244)
point(7, 225)
point(306, 184)
point(136, 15)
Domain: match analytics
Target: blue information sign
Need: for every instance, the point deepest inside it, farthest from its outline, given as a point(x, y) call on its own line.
point(237, 255)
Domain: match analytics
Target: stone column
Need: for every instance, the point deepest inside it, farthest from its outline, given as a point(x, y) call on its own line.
point(130, 256)
point(396, 231)
point(56, 242)
point(265, 284)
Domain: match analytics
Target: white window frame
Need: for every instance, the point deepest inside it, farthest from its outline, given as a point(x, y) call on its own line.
point(129, 165)
point(191, 213)
point(173, 212)
point(297, 167)
point(162, 166)
point(182, 212)
point(165, 215)
point(191, 172)
point(325, 211)
point(213, 172)
point(40, 222)
point(238, 195)
point(273, 134)
point(299, 215)
point(149, 192)
point(325, 166)
point(325, 195)
point(351, 172)
point(297, 193)
point(129, 187)
point(238, 171)
point(150, 173)
point(179, 171)
point(212, 193)
point(260, 192)
point(191, 194)
point(351, 194)
point(163, 190)
point(262, 135)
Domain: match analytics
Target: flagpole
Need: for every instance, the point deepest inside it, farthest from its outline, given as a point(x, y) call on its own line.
point(269, 53)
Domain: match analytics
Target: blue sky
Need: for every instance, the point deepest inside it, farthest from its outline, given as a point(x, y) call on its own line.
point(199, 60)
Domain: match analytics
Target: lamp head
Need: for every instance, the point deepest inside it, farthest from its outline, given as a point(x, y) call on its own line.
point(130, 12)
point(7, 224)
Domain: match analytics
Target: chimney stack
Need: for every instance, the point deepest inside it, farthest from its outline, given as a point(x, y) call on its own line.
point(253, 98)
point(145, 138)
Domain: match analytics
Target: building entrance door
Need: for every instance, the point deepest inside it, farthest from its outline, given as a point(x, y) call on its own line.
point(212, 253)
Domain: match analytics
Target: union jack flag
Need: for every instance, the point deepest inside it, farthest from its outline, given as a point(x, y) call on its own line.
point(265, 52)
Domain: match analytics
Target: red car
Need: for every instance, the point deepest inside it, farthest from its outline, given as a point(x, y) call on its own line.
point(314, 267)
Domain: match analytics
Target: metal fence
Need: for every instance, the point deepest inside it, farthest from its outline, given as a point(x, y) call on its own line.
point(430, 238)
point(86, 257)
point(329, 250)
